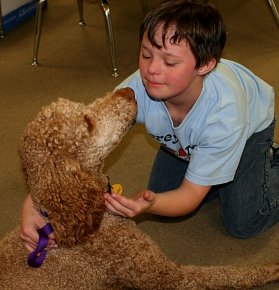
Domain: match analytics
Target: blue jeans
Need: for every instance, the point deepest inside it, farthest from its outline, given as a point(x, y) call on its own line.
point(249, 203)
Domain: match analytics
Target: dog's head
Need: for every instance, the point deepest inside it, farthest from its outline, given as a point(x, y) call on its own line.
point(63, 150)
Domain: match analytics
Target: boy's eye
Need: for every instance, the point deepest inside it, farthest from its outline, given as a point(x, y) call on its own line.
point(145, 56)
point(171, 64)
point(170, 61)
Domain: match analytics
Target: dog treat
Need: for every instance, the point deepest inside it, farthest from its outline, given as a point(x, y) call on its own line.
point(117, 188)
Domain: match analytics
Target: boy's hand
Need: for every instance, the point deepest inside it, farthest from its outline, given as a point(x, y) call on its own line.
point(31, 221)
point(129, 207)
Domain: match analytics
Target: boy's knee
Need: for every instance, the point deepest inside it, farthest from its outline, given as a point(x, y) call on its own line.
point(241, 233)
point(242, 229)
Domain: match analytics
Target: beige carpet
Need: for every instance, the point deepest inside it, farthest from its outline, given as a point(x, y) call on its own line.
point(75, 64)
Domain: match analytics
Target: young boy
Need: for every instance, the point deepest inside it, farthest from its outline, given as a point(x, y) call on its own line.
point(213, 118)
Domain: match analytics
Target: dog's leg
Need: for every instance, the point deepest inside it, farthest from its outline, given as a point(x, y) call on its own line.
point(139, 263)
point(229, 277)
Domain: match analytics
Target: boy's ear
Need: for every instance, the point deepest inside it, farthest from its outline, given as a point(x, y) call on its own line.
point(208, 67)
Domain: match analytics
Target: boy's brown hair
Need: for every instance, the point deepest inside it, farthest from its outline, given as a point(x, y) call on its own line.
point(199, 24)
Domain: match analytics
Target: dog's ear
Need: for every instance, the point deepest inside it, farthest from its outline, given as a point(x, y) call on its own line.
point(72, 198)
point(90, 123)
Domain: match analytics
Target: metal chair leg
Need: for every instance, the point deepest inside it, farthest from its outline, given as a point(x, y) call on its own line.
point(38, 27)
point(274, 10)
point(80, 12)
point(144, 5)
point(105, 7)
point(1, 23)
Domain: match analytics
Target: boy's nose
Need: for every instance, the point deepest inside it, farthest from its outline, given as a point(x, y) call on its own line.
point(153, 67)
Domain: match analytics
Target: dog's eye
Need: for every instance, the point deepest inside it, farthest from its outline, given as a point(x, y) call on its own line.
point(90, 125)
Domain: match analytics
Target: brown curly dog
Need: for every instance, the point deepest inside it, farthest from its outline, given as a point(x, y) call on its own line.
point(63, 151)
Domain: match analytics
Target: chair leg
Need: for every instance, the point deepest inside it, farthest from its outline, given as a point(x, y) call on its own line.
point(38, 27)
point(80, 12)
point(1, 23)
point(144, 5)
point(105, 7)
point(274, 10)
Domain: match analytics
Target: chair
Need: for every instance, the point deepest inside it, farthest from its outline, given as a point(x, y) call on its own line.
point(274, 10)
point(106, 10)
point(1, 22)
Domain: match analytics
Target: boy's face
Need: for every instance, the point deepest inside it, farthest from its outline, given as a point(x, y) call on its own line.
point(169, 73)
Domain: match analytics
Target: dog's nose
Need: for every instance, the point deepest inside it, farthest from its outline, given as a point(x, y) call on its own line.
point(127, 93)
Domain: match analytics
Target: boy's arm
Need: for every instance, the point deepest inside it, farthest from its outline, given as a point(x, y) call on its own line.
point(183, 200)
point(180, 201)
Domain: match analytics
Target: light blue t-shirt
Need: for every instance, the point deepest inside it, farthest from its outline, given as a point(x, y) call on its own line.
point(234, 104)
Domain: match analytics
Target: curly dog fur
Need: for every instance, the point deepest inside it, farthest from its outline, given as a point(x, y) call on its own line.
point(63, 152)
